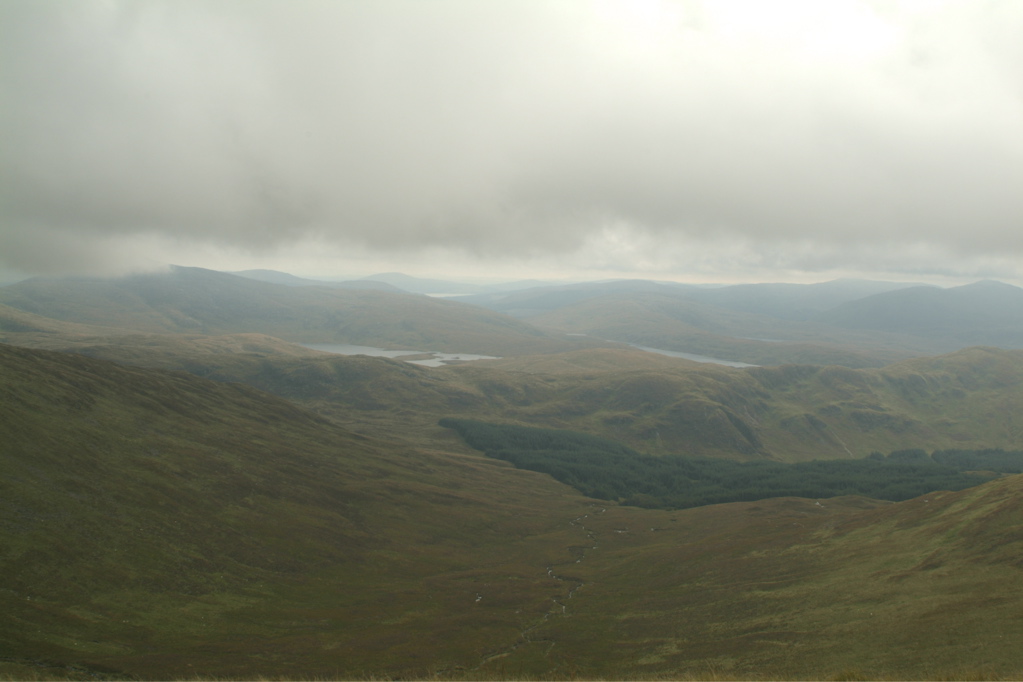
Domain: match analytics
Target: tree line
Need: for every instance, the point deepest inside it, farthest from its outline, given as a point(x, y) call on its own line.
point(605, 469)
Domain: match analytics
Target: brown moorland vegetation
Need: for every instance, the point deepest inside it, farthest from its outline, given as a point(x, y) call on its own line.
point(659, 405)
point(159, 525)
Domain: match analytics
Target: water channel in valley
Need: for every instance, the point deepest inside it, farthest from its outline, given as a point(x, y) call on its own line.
point(436, 359)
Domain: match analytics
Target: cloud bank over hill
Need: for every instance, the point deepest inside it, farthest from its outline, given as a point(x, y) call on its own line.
point(694, 139)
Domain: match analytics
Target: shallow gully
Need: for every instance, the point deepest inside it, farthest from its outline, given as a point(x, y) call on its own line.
point(558, 605)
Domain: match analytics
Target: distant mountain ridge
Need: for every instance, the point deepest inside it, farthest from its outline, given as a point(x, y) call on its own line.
point(855, 323)
point(793, 301)
point(423, 285)
point(983, 313)
point(420, 285)
point(787, 301)
point(277, 277)
point(534, 301)
point(195, 300)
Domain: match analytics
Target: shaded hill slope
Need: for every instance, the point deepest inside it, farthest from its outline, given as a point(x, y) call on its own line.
point(19, 328)
point(971, 399)
point(855, 323)
point(676, 323)
point(655, 404)
point(193, 300)
point(544, 299)
point(163, 526)
point(278, 277)
point(983, 313)
point(18, 325)
point(792, 589)
point(786, 301)
point(792, 301)
point(420, 285)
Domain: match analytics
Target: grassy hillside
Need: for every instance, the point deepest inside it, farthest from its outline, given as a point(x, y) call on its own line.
point(17, 326)
point(159, 525)
point(197, 301)
point(789, 589)
point(970, 399)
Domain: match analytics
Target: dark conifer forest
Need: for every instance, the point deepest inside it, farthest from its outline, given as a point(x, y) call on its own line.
point(607, 470)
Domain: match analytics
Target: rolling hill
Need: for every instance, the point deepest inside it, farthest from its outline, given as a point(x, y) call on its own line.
point(277, 277)
point(655, 404)
point(853, 323)
point(971, 398)
point(786, 301)
point(796, 589)
point(673, 323)
point(158, 525)
point(161, 525)
point(835, 323)
point(276, 511)
point(420, 285)
point(542, 299)
point(984, 313)
point(197, 301)
point(792, 301)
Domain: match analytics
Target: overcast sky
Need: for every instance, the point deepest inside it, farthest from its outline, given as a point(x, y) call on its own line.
point(723, 140)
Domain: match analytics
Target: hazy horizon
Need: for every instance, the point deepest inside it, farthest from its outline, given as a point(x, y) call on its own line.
point(723, 141)
point(8, 277)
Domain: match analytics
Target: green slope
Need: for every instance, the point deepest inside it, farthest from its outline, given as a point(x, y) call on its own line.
point(161, 525)
point(969, 399)
point(158, 525)
point(789, 589)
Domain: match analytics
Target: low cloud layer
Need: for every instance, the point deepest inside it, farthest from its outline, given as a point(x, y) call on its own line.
point(647, 136)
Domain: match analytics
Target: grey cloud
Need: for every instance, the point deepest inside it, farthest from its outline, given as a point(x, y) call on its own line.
point(499, 128)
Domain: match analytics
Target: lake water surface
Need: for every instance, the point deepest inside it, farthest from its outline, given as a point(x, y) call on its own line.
point(440, 359)
point(694, 357)
point(435, 359)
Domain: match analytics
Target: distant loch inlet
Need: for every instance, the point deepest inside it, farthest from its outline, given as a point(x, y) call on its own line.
point(678, 354)
point(694, 357)
point(434, 358)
